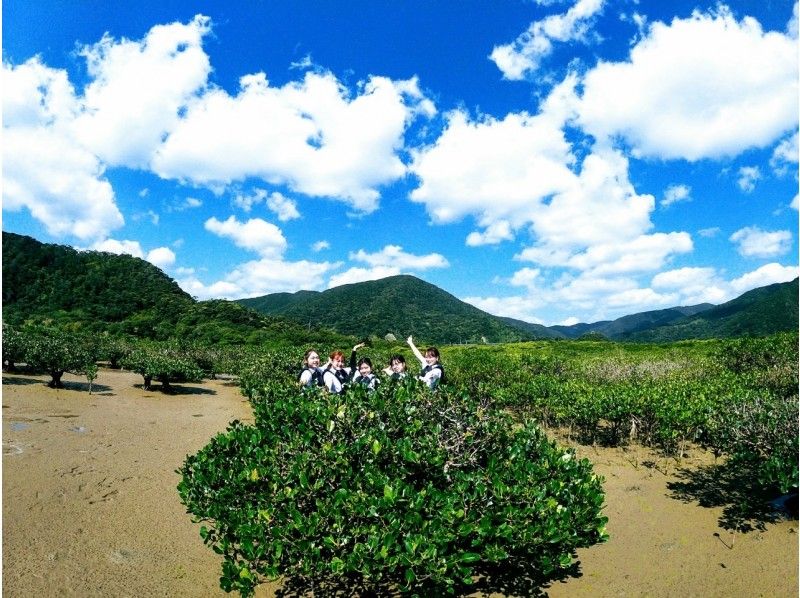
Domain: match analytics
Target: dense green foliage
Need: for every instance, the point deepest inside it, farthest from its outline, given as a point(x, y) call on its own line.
point(166, 362)
point(51, 351)
point(400, 488)
point(59, 283)
point(760, 312)
point(105, 294)
point(400, 305)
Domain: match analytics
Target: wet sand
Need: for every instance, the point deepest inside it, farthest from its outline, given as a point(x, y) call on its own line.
point(90, 506)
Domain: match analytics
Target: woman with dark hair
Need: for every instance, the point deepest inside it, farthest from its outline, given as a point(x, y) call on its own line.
point(364, 376)
point(396, 368)
point(432, 372)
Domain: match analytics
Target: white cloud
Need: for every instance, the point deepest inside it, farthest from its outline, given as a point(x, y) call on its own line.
point(247, 201)
point(524, 54)
point(262, 277)
point(785, 155)
point(526, 277)
point(495, 233)
point(754, 242)
point(44, 169)
point(393, 257)
point(795, 202)
point(492, 168)
point(254, 235)
point(320, 245)
point(601, 209)
point(283, 207)
point(748, 176)
point(362, 275)
point(709, 232)
point(694, 285)
point(703, 87)
point(137, 89)
point(675, 194)
point(520, 308)
point(639, 300)
point(767, 274)
point(312, 135)
point(119, 247)
point(161, 257)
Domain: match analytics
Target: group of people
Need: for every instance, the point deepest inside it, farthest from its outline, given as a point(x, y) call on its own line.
point(333, 375)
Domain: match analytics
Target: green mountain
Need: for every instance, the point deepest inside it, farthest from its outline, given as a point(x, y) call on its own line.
point(760, 312)
point(401, 305)
point(101, 292)
point(625, 326)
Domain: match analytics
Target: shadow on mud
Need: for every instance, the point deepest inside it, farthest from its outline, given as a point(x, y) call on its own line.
point(746, 505)
point(20, 381)
point(173, 389)
point(507, 579)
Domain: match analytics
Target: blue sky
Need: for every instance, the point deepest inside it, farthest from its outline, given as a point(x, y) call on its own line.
point(554, 161)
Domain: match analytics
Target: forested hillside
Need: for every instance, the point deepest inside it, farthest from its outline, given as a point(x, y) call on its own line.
point(99, 292)
point(760, 312)
point(400, 305)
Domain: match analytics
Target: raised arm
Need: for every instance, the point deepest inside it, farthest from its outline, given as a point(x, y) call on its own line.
point(415, 351)
point(353, 358)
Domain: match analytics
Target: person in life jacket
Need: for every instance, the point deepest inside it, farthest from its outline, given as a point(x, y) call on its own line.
point(396, 369)
point(335, 375)
point(364, 375)
point(312, 374)
point(432, 372)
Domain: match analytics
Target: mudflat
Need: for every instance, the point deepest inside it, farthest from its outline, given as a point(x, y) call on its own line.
point(90, 506)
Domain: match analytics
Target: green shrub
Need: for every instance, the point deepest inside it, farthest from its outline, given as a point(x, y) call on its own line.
point(401, 488)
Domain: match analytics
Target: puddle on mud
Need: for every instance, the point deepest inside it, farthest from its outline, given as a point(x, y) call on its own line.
point(18, 426)
point(78, 429)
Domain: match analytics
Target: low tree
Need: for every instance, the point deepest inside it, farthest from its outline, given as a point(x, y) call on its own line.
point(56, 352)
point(13, 347)
point(166, 362)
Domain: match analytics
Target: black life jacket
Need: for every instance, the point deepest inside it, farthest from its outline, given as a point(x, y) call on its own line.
point(316, 376)
point(341, 375)
point(370, 381)
point(435, 366)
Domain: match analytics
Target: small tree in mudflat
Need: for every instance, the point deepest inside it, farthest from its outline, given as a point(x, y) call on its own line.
point(166, 362)
point(56, 352)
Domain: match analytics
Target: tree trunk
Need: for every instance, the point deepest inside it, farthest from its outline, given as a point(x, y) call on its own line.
point(148, 380)
point(165, 387)
point(56, 379)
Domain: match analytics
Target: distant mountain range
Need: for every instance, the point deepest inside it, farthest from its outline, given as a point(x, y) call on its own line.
point(403, 305)
point(102, 292)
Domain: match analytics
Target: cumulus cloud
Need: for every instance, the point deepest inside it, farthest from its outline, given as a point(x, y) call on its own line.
point(754, 242)
point(520, 308)
point(320, 245)
point(138, 88)
point(393, 256)
point(748, 176)
point(60, 182)
point(495, 233)
point(693, 285)
point(254, 235)
point(795, 202)
point(262, 277)
point(125, 247)
point(767, 274)
point(675, 194)
point(524, 55)
point(703, 87)
point(312, 135)
point(356, 274)
point(161, 257)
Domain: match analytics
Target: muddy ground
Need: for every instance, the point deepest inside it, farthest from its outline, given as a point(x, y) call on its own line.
point(90, 506)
